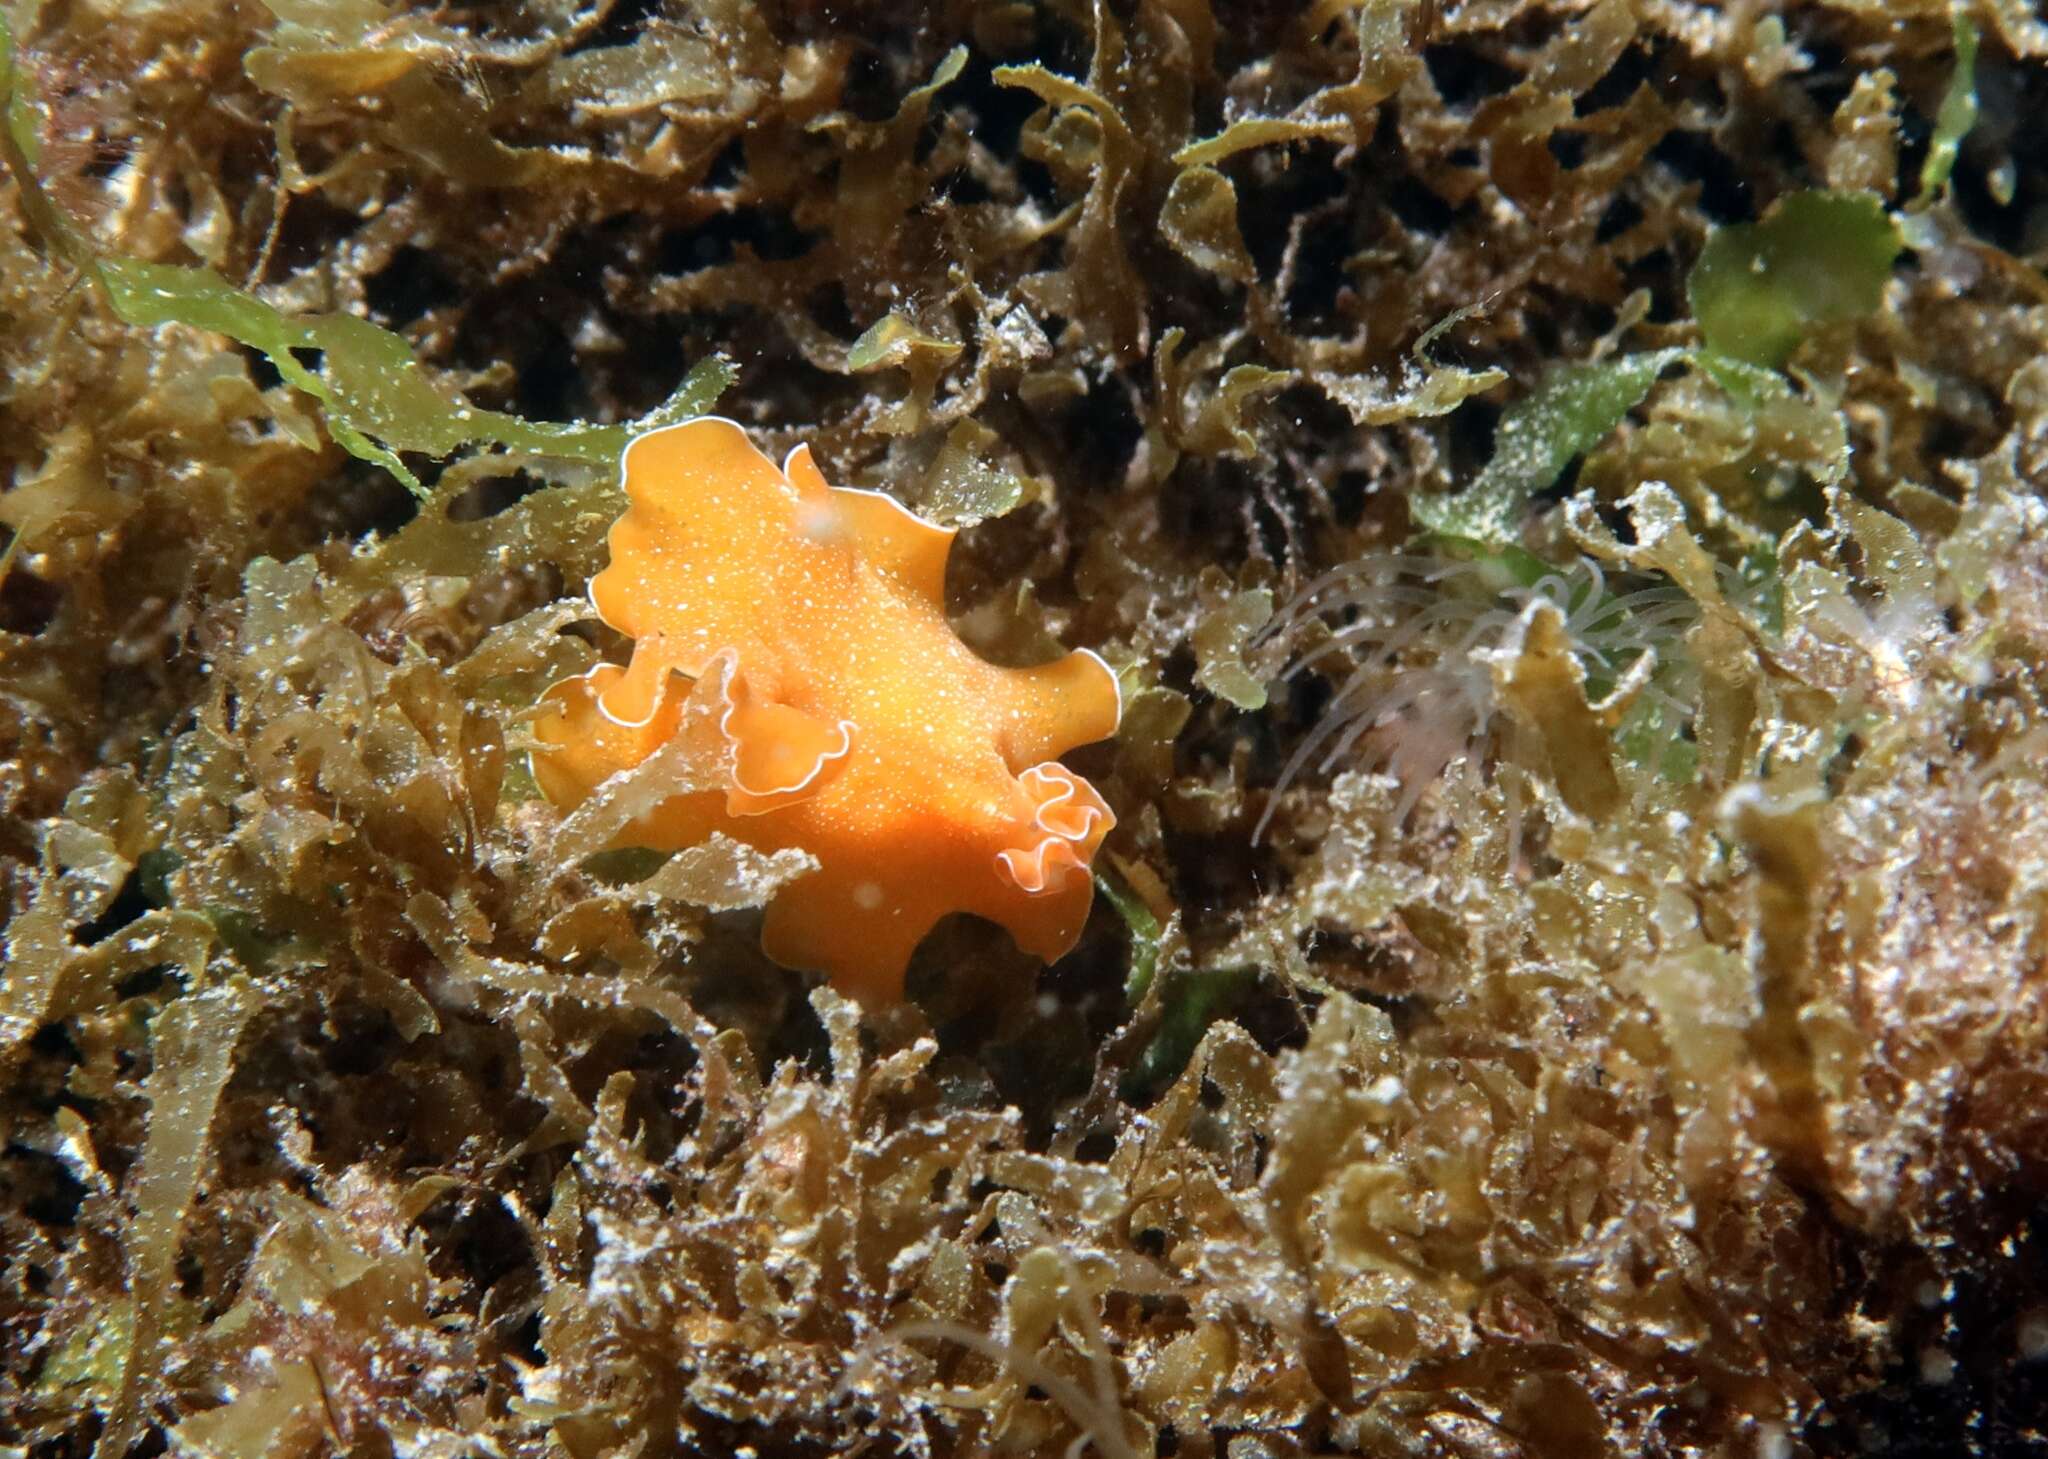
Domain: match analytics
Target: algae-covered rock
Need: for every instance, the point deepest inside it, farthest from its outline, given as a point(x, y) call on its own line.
point(1559, 487)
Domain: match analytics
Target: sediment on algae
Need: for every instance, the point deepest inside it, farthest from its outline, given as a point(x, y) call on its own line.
point(1661, 1077)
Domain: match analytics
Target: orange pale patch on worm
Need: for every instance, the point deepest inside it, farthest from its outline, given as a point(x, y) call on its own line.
point(857, 725)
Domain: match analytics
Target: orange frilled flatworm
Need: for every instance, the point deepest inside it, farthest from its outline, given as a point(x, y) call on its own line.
point(857, 725)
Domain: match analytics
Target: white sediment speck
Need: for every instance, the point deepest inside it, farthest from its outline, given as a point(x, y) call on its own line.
point(1937, 1367)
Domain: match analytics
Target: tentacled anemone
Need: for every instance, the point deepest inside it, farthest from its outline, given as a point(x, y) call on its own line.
point(1418, 640)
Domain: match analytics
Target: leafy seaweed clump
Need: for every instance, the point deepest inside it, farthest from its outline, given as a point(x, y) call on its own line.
point(1628, 1041)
